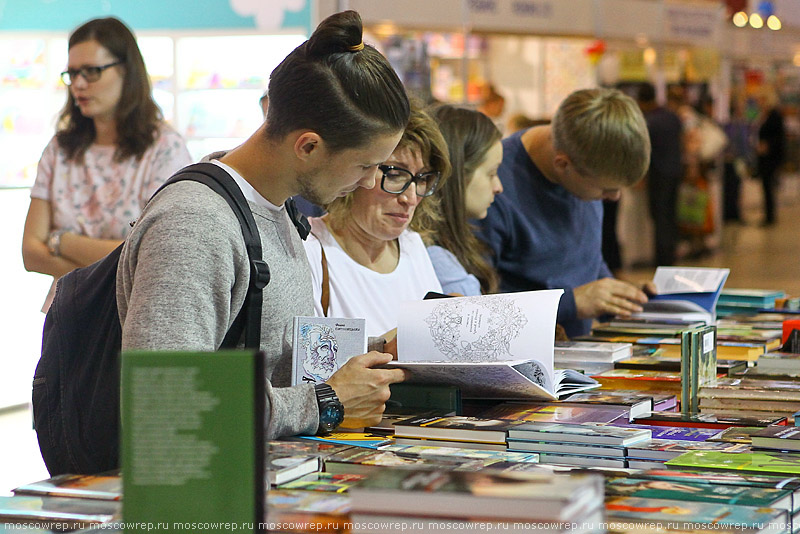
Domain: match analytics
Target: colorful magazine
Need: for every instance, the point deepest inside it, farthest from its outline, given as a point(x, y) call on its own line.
point(758, 462)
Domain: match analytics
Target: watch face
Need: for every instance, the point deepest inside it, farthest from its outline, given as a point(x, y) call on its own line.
point(330, 415)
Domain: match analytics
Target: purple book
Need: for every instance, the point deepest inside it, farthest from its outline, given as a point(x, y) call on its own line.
point(676, 432)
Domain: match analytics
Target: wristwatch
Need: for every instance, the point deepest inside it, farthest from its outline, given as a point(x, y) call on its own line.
point(331, 410)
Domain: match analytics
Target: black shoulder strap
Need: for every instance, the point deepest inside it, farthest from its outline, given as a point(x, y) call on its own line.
point(249, 318)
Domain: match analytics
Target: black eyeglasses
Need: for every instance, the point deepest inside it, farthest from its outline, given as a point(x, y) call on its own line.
point(90, 74)
point(395, 180)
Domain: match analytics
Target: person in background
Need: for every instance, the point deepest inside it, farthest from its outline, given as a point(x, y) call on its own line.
point(111, 151)
point(458, 257)
point(738, 157)
point(545, 228)
point(493, 105)
point(664, 174)
point(184, 271)
point(369, 242)
point(770, 149)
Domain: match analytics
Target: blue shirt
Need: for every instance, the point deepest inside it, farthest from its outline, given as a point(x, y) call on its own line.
point(543, 236)
point(451, 274)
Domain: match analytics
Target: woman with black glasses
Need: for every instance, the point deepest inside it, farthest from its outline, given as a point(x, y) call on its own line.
point(111, 151)
point(369, 243)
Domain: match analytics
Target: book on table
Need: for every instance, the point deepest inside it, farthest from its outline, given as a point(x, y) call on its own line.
point(749, 389)
point(282, 468)
point(558, 412)
point(640, 380)
point(490, 346)
point(707, 420)
point(685, 293)
point(456, 428)
point(104, 486)
point(666, 449)
point(553, 447)
point(748, 519)
point(694, 491)
point(321, 481)
point(56, 513)
point(366, 461)
point(422, 442)
point(523, 496)
point(591, 351)
point(777, 437)
point(637, 403)
point(769, 462)
point(741, 434)
point(461, 452)
point(321, 345)
point(582, 433)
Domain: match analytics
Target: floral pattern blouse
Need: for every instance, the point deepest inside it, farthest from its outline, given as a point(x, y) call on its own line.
point(99, 197)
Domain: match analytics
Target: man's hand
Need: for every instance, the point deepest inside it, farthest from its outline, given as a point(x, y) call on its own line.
point(608, 296)
point(363, 390)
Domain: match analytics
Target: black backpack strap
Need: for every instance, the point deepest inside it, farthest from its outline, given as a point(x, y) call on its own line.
point(249, 318)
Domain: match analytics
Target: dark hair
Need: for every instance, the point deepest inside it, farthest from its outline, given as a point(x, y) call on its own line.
point(337, 86)
point(469, 135)
point(137, 115)
point(647, 92)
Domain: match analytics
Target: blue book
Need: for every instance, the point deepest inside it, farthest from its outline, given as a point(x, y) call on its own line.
point(682, 433)
point(685, 293)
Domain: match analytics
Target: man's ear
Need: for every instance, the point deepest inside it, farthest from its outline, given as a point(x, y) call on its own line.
point(561, 162)
point(307, 144)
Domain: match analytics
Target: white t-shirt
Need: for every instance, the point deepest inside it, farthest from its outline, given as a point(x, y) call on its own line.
point(356, 291)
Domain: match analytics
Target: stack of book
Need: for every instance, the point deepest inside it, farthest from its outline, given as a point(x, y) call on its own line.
point(476, 502)
point(581, 444)
point(65, 502)
point(729, 482)
point(654, 453)
point(696, 516)
point(564, 412)
point(589, 356)
point(747, 397)
point(738, 301)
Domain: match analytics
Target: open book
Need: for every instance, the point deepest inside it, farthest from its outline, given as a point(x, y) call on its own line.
point(685, 293)
point(498, 346)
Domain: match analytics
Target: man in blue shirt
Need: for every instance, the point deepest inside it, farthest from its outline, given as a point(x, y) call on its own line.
point(545, 229)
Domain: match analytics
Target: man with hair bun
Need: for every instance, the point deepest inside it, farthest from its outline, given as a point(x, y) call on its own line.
point(545, 229)
point(336, 111)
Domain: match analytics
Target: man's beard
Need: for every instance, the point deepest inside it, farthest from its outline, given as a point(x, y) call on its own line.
point(309, 184)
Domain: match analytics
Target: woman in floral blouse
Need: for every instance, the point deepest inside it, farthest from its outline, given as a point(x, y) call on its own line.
point(111, 151)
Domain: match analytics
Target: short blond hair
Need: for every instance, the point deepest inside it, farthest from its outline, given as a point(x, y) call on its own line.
point(603, 133)
point(421, 135)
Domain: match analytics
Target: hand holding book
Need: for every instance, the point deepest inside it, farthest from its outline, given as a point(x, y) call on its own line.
point(608, 296)
point(363, 389)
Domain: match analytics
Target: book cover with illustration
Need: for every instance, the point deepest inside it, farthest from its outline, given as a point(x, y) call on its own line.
point(776, 437)
point(320, 345)
point(490, 346)
point(105, 486)
point(460, 452)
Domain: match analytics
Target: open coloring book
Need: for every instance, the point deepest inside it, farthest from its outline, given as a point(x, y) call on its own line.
point(498, 346)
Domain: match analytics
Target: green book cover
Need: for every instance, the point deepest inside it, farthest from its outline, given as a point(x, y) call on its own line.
point(759, 462)
point(688, 491)
point(193, 440)
point(698, 365)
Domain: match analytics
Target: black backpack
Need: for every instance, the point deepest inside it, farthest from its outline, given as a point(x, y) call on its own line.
point(77, 380)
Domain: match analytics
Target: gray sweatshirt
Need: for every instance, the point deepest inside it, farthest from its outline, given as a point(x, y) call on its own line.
point(182, 279)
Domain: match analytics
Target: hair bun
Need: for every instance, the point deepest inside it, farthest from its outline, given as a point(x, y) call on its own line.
point(341, 32)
